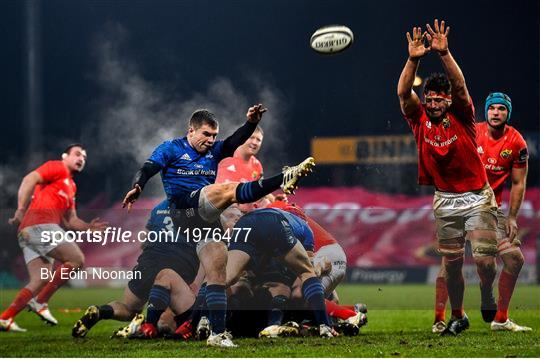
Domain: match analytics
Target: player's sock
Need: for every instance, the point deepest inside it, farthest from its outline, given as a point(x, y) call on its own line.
point(158, 301)
point(18, 304)
point(313, 293)
point(216, 302)
point(486, 287)
point(456, 288)
point(338, 311)
point(181, 318)
point(106, 312)
point(507, 283)
point(252, 191)
point(278, 304)
point(200, 305)
point(61, 276)
point(441, 297)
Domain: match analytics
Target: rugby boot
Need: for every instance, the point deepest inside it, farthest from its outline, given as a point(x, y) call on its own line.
point(42, 310)
point(291, 175)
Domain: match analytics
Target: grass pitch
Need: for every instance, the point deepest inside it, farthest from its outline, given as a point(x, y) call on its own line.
point(400, 318)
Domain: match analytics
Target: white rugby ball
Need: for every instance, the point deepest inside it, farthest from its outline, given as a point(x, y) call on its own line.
point(331, 39)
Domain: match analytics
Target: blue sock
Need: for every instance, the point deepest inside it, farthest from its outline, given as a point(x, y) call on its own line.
point(253, 191)
point(216, 301)
point(158, 301)
point(313, 293)
point(199, 306)
point(275, 317)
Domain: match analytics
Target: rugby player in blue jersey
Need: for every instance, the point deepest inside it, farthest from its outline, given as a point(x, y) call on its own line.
point(188, 169)
point(166, 268)
point(275, 233)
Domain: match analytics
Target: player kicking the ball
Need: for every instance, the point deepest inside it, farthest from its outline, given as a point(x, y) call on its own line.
point(188, 168)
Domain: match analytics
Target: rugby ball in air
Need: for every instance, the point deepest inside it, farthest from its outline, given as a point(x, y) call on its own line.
point(331, 39)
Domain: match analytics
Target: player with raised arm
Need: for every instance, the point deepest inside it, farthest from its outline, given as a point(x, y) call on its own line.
point(46, 199)
point(445, 133)
point(188, 168)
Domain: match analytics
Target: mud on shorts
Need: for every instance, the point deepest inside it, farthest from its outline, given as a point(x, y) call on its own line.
point(458, 213)
point(336, 256)
point(32, 245)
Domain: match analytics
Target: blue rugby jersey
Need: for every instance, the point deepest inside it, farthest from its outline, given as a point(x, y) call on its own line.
point(299, 227)
point(161, 221)
point(183, 169)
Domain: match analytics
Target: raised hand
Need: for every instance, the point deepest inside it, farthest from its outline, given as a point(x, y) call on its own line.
point(417, 48)
point(255, 113)
point(438, 38)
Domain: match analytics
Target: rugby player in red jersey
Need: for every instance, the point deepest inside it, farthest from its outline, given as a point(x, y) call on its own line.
point(243, 166)
point(504, 154)
point(445, 133)
point(46, 200)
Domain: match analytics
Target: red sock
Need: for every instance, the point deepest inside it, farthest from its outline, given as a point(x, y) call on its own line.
point(507, 283)
point(18, 304)
point(338, 311)
point(441, 297)
point(61, 276)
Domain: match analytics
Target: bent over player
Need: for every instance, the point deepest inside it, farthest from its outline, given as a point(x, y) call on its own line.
point(445, 133)
point(47, 199)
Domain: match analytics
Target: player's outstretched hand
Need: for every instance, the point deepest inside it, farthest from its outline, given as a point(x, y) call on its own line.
point(255, 113)
point(96, 225)
point(417, 47)
point(17, 217)
point(438, 38)
point(131, 197)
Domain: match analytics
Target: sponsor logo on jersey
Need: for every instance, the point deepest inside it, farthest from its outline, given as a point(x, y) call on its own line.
point(441, 144)
point(446, 122)
point(428, 124)
point(492, 160)
point(231, 168)
point(480, 150)
point(198, 165)
point(209, 155)
point(506, 153)
point(186, 157)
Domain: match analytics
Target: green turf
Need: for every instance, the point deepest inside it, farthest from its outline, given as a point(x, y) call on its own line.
point(400, 319)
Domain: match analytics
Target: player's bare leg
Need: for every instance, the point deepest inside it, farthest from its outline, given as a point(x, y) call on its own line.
point(313, 292)
point(236, 263)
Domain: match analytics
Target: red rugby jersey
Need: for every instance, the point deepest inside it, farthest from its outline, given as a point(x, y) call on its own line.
point(235, 169)
point(52, 198)
point(501, 155)
point(447, 156)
